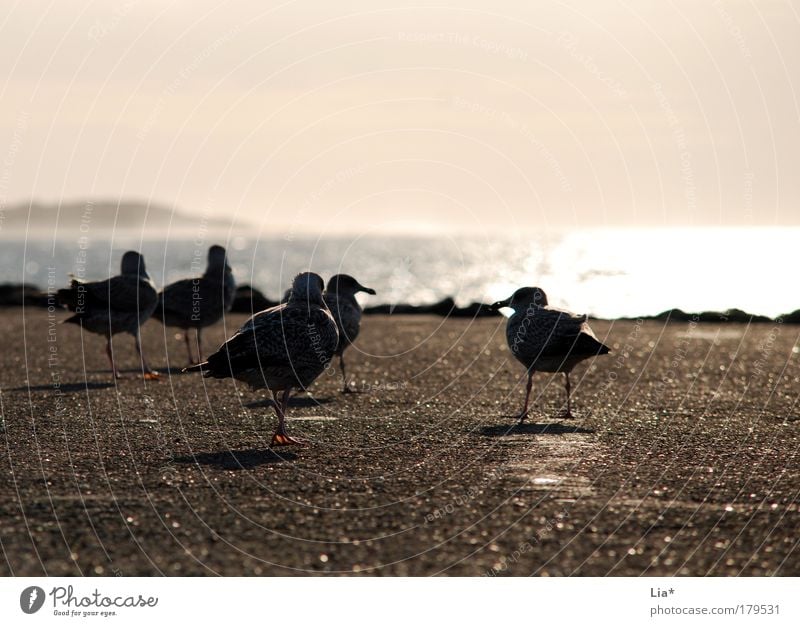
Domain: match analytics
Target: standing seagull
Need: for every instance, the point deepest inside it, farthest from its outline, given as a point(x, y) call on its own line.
point(120, 304)
point(199, 302)
point(545, 339)
point(282, 348)
point(340, 296)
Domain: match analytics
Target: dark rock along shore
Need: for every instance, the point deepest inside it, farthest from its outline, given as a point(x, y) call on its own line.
point(251, 300)
point(683, 459)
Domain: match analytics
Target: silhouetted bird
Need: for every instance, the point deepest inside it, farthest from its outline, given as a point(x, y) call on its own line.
point(545, 339)
point(283, 348)
point(340, 296)
point(198, 302)
point(120, 304)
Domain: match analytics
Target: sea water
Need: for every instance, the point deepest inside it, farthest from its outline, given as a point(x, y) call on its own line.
point(605, 272)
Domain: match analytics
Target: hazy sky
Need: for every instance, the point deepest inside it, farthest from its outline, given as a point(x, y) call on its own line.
point(382, 116)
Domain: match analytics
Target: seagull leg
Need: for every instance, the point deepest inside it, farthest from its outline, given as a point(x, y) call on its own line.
point(281, 437)
point(110, 353)
point(188, 347)
point(285, 400)
point(148, 373)
point(199, 346)
point(524, 412)
point(567, 415)
point(346, 388)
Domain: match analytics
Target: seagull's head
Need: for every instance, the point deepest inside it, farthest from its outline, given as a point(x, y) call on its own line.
point(216, 256)
point(217, 259)
point(307, 287)
point(523, 298)
point(133, 263)
point(346, 285)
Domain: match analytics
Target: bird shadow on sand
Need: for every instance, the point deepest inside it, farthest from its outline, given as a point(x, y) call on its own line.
point(65, 387)
point(237, 459)
point(530, 428)
point(298, 403)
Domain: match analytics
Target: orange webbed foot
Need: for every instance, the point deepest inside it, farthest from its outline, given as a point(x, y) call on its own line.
point(282, 439)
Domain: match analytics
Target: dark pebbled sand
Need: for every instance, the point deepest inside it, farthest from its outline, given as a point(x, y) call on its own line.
point(683, 459)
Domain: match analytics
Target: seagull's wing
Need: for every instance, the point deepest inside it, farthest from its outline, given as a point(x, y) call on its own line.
point(120, 293)
point(348, 318)
point(565, 333)
point(176, 296)
point(281, 337)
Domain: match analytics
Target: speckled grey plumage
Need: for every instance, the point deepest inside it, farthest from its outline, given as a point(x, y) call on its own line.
point(347, 313)
point(199, 302)
point(546, 339)
point(340, 296)
point(118, 304)
point(285, 347)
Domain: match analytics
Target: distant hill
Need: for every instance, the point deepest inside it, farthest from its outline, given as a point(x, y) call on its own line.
point(100, 217)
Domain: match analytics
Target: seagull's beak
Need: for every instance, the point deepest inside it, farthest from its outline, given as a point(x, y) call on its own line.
point(366, 290)
point(500, 304)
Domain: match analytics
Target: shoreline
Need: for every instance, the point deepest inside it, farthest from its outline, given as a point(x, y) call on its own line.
point(251, 300)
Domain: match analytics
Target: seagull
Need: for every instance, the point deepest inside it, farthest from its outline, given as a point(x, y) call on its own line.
point(120, 304)
point(282, 348)
point(199, 302)
point(340, 296)
point(546, 339)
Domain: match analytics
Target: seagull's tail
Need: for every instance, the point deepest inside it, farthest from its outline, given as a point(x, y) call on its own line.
point(196, 368)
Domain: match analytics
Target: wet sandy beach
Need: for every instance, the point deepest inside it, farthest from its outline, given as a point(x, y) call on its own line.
point(683, 458)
